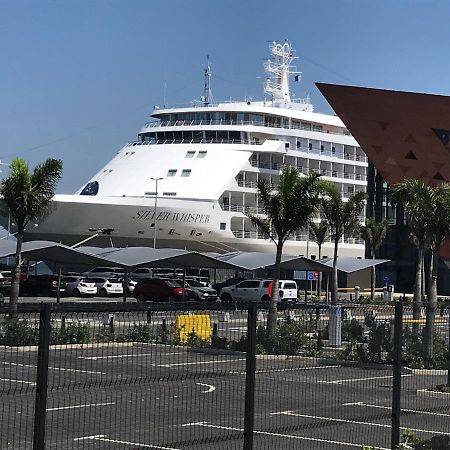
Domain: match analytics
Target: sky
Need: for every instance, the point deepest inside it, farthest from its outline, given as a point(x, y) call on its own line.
point(78, 78)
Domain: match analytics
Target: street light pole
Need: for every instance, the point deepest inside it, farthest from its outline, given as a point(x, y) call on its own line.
point(156, 208)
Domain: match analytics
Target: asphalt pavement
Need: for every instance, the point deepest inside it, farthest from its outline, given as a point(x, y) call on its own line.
point(133, 396)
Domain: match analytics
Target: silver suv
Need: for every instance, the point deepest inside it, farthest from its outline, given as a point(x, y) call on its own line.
point(258, 290)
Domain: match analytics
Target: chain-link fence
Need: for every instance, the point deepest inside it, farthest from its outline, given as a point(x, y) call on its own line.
point(211, 376)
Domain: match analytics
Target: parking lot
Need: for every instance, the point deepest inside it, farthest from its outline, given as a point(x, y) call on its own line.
point(134, 395)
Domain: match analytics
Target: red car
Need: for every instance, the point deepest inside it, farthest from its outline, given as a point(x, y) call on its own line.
point(162, 290)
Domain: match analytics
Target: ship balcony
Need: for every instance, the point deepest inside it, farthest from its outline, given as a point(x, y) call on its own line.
point(256, 123)
point(332, 154)
point(194, 141)
point(301, 237)
point(305, 171)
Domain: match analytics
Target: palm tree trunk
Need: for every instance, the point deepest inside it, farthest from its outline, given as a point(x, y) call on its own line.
point(431, 305)
point(319, 281)
point(334, 290)
point(14, 292)
point(417, 300)
point(372, 280)
point(272, 316)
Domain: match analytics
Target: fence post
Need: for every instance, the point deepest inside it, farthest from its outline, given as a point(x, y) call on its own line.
point(397, 375)
point(42, 378)
point(448, 353)
point(250, 370)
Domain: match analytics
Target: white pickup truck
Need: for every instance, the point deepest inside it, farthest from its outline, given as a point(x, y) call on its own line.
point(257, 290)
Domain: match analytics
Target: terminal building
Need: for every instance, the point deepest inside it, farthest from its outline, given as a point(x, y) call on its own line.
point(404, 135)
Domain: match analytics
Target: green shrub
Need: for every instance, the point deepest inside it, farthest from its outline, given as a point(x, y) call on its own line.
point(352, 330)
point(194, 340)
point(218, 342)
point(73, 333)
point(18, 332)
point(139, 333)
point(414, 351)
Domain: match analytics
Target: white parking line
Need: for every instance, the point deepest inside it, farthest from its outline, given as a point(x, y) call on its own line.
point(368, 405)
point(217, 361)
point(210, 387)
point(356, 422)
point(103, 438)
point(62, 369)
point(18, 381)
point(80, 406)
point(288, 436)
point(287, 369)
point(350, 380)
point(129, 355)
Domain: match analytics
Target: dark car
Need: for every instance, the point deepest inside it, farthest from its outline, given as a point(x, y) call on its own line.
point(162, 290)
point(45, 285)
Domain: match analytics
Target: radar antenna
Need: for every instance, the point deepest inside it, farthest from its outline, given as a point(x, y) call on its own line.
point(207, 97)
point(278, 67)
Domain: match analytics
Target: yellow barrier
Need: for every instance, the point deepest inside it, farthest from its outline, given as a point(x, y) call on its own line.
point(200, 324)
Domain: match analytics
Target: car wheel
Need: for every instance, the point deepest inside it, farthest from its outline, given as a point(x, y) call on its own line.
point(76, 292)
point(102, 292)
point(140, 298)
point(226, 298)
point(172, 299)
point(265, 298)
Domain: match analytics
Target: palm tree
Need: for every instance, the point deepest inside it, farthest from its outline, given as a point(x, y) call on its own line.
point(428, 212)
point(373, 233)
point(343, 219)
point(28, 196)
point(319, 233)
point(287, 208)
point(415, 197)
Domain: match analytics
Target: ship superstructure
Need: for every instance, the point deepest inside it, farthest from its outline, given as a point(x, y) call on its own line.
point(190, 178)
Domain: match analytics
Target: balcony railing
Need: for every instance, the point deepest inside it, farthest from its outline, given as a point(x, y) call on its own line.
point(244, 234)
point(256, 123)
point(305, 171)
point(196, 141)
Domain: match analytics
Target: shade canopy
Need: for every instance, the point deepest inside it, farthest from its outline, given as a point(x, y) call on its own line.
point(56, 253)
point(134, 257)
point(348, 264)
point(259, 260)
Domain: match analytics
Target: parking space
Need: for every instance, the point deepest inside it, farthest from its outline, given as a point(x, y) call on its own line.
point(168, 397)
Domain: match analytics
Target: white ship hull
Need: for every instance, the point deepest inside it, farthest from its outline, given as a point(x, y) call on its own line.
point(188, 224)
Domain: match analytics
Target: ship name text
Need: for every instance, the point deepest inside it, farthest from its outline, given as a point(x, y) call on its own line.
point(145, 214)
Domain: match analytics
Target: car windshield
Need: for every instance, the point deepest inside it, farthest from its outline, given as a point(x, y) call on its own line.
point(195, 283)
point(113, 280)
point(172, 283)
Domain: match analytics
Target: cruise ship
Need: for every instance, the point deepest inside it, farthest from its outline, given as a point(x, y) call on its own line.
point(190, 178)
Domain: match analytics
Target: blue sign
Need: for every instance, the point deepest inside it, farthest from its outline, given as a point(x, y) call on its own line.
point(313, 276)
point(386, 280)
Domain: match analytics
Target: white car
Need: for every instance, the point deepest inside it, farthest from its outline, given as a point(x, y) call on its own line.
point(78, 285)
point(258, 290)
point(108, 286)
point(142, 272)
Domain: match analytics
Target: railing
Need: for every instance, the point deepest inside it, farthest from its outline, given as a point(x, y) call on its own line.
point(195, 141)
point(256, 123)
point(303, 237)
point(305, 171)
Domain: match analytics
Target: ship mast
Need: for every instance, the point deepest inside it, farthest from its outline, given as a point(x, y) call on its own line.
point(278, 68)
point(207, 94)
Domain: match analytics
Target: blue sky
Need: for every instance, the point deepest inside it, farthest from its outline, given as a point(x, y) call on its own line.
point(79, 78)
